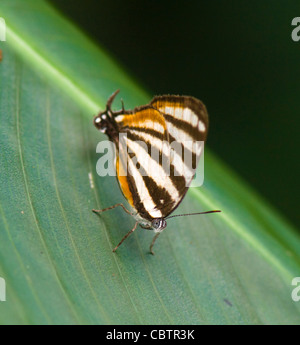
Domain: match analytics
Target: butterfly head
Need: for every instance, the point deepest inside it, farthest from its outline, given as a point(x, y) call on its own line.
point(158, 224)
point(101, 121)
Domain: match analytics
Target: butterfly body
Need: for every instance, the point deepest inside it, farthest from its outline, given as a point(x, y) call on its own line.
point(153, 143)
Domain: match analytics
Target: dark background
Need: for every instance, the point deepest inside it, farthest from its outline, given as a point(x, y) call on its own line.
point(236, 56)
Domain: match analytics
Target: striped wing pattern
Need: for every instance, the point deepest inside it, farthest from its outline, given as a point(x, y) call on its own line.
point(159, 139)
point(187, 124)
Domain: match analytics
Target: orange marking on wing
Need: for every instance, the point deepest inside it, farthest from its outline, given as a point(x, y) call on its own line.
point(161, 105)
point(124, 182)
point(140, 117)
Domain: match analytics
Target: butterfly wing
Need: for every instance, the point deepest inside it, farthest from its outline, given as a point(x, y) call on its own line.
point(155, 140)
point(187, 125)
point(142, 148)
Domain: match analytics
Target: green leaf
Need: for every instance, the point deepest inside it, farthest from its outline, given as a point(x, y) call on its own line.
point(56, 256)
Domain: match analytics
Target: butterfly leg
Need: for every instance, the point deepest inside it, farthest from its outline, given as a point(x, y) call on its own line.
point(124, 238)
point(152, 243)
point(111, 207)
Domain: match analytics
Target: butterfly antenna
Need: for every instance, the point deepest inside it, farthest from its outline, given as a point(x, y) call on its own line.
point(193, 214)
point(111, 99)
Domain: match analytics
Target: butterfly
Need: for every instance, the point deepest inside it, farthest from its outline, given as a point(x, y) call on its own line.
point(158, 147)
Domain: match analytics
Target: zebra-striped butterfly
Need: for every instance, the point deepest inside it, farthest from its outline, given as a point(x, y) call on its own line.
point(153, 143)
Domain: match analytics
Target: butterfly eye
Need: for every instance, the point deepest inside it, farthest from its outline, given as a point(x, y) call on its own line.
point(159, 224)
point(97, 122)
point(101, 123)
